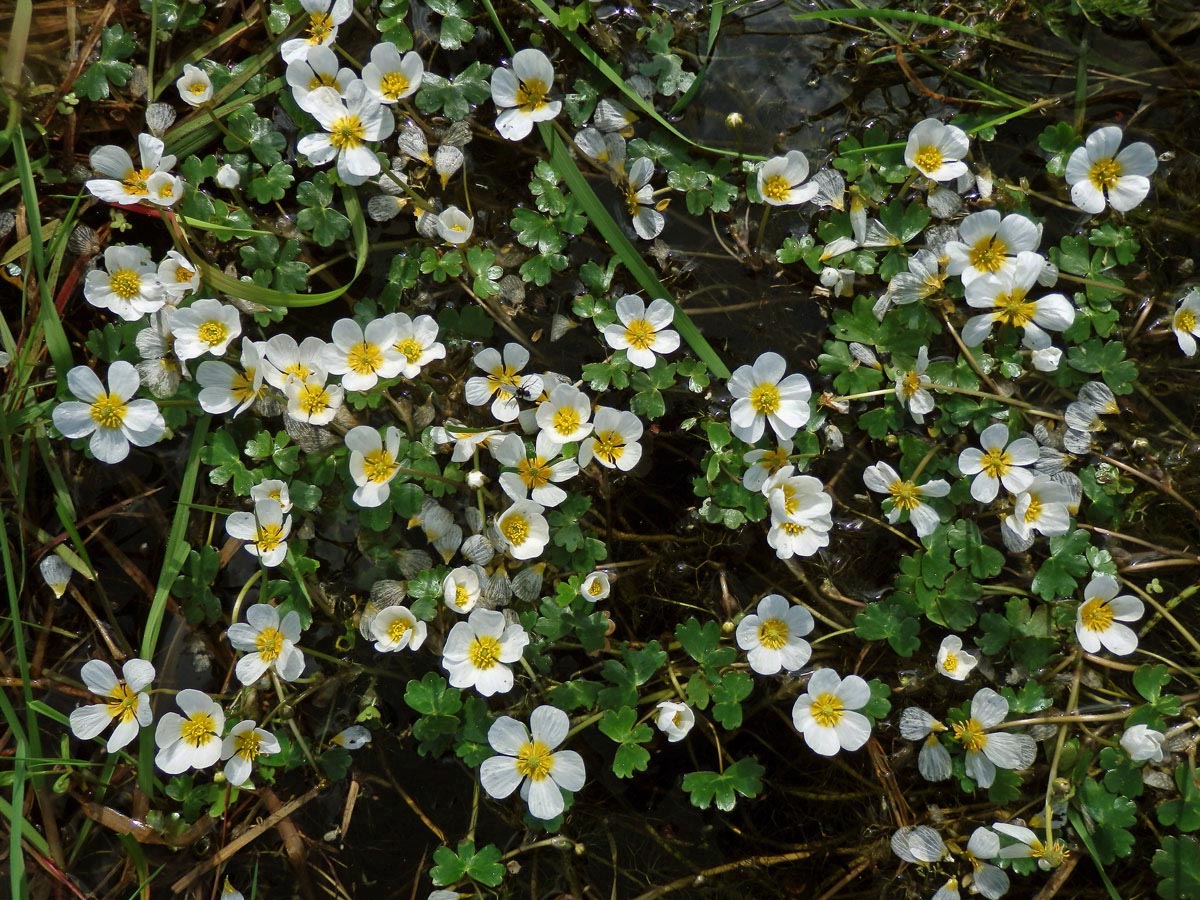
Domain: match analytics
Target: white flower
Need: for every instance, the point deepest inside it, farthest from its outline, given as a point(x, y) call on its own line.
point(936, 150)
point(390, 77)
point(781, 180)
point(56, 573)
point(191, 741)
point(222, 387)
point(906, 497)
point(159, 369)
point(990, 244)
point(439, 528)
point(1099, 617)
point(1143, 743)
point(270, 642)
point(266, 529)
point(798, 498)
point(396, 628)
point(1000, 462)
point(643, 332)
point(207, 326)
point(989, 750)
point(528, 760)
point(416, 341)
point(503, 379)
point(762, 464)
point(789, 538)
point(919, 844)
point(674, 720)
point(647, 215)
point(614, 440)
point(988, 880)
point(245, 743)
point(462, 587)
point(130, 184)
point(194, 86)
point(112, 418)
point(1006, 295)
point(352, 738)
point(454, 226)
point(923, 279)
point(520, 94)
point(128, 285)
point(362, 355)
point(125, 700)
point(284, 360)
point(826, 713)
point(324, 17)
point(478, 651)
point(273, 489)
point(312, 400)
point(1042, 507)
point(1030, 846)
point(595, 587)
point(177, 276)
point(524, 529)
point(606, 149)
point(933, 762)
point(317, 68)
point(1046, 359)
point(373, 463)
point(536, 475)
point(1186, 322)
point(773, 636)
point(952, 661)
point(911, 387)
point(563, 416)
point(229, 892)
point(762, 394)
point(1097, 173)
point(351, 122)
point(228, 177)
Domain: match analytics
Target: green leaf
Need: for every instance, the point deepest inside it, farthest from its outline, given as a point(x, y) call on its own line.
point(970, 552)
point(1108, 817)
point(1149, 681)
point(116, 44)
point(1177, 864)
point(886, 620)
point(742, 777)
point(1059, 140)
point(1058, 576)
point(619, 725)
point(700, 642)
point(1183, 812)
point(727, 694)
point(1123, 776)
point(1106, 359)
point(455, 96)
point(432, 695)
point(272, 184)
point(451, 866)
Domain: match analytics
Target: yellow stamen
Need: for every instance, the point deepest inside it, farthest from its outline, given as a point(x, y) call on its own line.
point(828, 710)
point(534, 761)
point(484, 652)
point(269, 643)
point(108, 411)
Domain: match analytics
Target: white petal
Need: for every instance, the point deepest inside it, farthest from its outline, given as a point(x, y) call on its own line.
point(499, 776)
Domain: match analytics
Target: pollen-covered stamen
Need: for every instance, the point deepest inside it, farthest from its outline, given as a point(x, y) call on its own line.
point(269, 644)
point(531, 95)
point(122, 702)
point(1034, 510)
point(135, 182)
point(269, 537)
point(970, 734)
point(910, 384)
point(773, 633)
point(212, 332)
point(198, 729)
point(828, 710)
point(534, 761)
point(461, 595)
point(248, 745)
point(793, 529)
point(379, 466)
point(566, 420)
point(950, 663)
point(484, 652)
point(320, 27)
point(1185, 320)
point(609, 446)
point(410, 348)
point(392, 85)
point(905, 495)
point(535, 473)
point(397, 630)
point(988, 254)
point(765, 399)
point(125, 283)
point(776, 187)
point(321, 79)
point(313, 399)
point(928, 158)
point(640, 334)
point(515, 529)
point(1013, 309)
point(996, 462)
point(1104, 174)
point(242, 386)
point(364, 358)
point(347, 132)
point(108, 411)
point(1096, 615)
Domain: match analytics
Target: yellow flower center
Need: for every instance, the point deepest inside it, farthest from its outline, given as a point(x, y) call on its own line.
point(125, 283)
point(776, 187)
point(298, 369)
point(765, 399)
point(531, 95)
point(1185, 320)
point(566, 420)
point(135, 182)
point(928, 158)
point(950, 663)
point(347, 132)
point(269, 537)
point(515, 529)
point(212, 332)
point(597, 588)
point(632, 204)
point(269, 643)
point(1014, 309)
point(1053, 855)
point(183, 273)
point(988, 254)
point(774, 460)
point(166, 189)
point(609, 446)
point(322, 79)
point(996, 462)
point(198, 729)
point(410, 348)
point(1034, 510)
point(773, 633)
point(828, 710)
point(793, 529)
point(313, 399)
point(122, 703)
point(484, 652)
point(1104, 174)
point(320, 27)
point(397, 630)
point(1096, 615)
point(534, 472)
point(364, 358)
point(790, 501)
point(461, 596)
point(248, 744)
point(640, 334)
point(504, 377)
point(379, 466)
point(910, 384)
point(242, 385)
point(108, 411)
point(392, 85)
point(534, 761)
point(197, 88)
point(971, 735)
point(905, 495)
